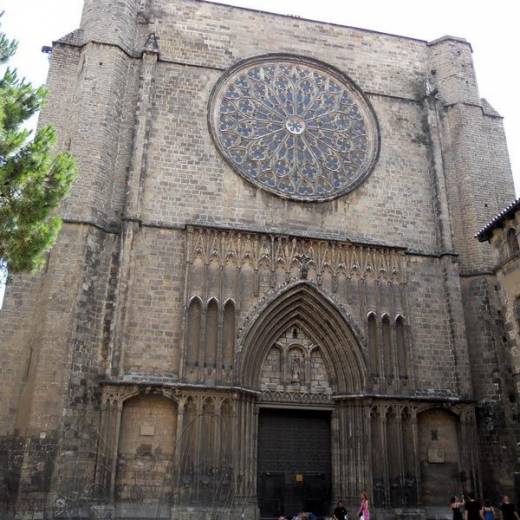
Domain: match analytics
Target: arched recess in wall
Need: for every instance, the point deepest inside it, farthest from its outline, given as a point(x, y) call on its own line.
point(373, 351)
point(378, 469)
point(393, 448)
point(318, 372)
point(226, 434)
point(193, 332)
point(388, 358)
point(207, 438)
point(210, 353)
point(188, 442)
point(304, 306)
point(401, 348)
point(228, 335)
point(512, 242)
point(146, 449)
point(409, 467)
point(272, 373)
point(439, 455)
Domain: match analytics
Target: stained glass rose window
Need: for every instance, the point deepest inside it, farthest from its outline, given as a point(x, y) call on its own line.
point(294, 126)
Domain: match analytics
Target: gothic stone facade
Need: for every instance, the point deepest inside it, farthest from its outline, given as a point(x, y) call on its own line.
point(266, 294)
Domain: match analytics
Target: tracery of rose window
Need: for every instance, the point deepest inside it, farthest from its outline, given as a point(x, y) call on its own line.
point(294, 127)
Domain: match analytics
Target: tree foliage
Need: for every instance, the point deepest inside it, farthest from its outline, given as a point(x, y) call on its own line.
point(33, 180)
point(7, 47)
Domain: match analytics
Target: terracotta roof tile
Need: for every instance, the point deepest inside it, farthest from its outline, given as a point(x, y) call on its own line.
point(485, 233)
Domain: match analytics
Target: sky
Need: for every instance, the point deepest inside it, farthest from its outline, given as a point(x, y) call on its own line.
point(490, 27)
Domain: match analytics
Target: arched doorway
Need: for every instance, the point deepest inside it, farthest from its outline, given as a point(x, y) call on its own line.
point(298, 353)
point(294, 441)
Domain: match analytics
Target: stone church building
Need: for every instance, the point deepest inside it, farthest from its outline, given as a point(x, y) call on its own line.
point(267, 294)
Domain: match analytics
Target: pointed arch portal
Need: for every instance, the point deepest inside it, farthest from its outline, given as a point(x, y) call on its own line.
point(302, 346)
point(305, 307)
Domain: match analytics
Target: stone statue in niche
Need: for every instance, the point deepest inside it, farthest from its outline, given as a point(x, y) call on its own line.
point(304, 266)
point(295, 370)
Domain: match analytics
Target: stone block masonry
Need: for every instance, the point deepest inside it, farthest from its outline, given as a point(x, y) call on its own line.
point(182, 300)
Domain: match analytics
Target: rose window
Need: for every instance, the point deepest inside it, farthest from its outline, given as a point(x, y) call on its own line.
point(294, 127)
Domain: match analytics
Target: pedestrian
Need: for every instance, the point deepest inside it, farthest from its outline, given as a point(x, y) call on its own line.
point(364, 511)
point(455, 506)
point(340, 513)
point(487, 512)
point(472, 508)
point(508, 510)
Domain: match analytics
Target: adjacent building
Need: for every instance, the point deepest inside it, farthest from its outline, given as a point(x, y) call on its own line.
point(501, 233)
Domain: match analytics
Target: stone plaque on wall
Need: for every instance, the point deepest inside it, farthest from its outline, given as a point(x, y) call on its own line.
point(147, 429)
point(436, 455)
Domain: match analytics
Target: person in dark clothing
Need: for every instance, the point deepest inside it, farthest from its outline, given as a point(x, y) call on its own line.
point(340, 512)
point(455, 506)
point(473, 508)
point(508, 510)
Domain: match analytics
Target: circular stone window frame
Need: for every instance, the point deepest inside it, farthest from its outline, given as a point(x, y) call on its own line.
point(371, 121)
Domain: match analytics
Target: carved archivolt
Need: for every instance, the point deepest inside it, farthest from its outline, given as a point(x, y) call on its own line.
point(304, 307)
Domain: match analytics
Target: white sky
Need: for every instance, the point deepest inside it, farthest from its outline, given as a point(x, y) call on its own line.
point(490, 27)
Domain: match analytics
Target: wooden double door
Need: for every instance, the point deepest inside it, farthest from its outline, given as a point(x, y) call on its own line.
point(294, 462)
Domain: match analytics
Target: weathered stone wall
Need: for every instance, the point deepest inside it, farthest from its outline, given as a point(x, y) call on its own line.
point(146, 446)
point(152, 325)
point(439, 453)
point(114, 301)
point(375, 61)
point(506, 254)
point(52, 401)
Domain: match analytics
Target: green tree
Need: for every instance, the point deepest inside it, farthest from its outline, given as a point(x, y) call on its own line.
point(33, 180)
